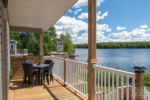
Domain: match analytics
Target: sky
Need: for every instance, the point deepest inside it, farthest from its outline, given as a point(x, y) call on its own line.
point(117, 21)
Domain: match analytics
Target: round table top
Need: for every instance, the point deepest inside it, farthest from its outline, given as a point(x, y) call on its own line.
point(40, 65)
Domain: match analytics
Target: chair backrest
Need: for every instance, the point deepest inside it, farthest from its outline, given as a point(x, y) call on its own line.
point(28, 62)
point(28, 69)
point(51, 64)
point(47, 61)
point(51, 67)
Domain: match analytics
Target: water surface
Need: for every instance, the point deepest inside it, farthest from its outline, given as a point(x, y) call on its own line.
point(124, 59)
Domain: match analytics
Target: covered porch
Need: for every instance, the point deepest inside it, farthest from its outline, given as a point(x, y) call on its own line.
point(73, 80)
point(54, 91)
point(37, 16)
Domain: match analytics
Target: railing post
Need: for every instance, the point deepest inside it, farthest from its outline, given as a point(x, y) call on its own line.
point(139, 79)
point(64, 71)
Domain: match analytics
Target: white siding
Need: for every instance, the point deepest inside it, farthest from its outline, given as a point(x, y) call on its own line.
point(8, 51)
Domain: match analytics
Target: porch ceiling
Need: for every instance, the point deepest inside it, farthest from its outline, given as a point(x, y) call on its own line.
point(36, 15)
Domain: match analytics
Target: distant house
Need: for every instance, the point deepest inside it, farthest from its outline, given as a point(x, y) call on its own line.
point(60, 46)
point(17, 52)
point(13, 47)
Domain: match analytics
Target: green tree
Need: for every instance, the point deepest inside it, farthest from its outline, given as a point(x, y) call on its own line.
point(14, 35)
point(50, 41)
point(52, 32)
point(33, 44)
point(68, 44)
point(106, 45)
point(62, 37)
point(30, 41)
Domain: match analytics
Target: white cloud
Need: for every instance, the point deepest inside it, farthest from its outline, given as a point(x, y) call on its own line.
point(119, 28)
point(78, 29)
point(100, 17)
point(77, 11)
point(137, 34)
point(70, 10)
point(83, 16)
point(70, 25)
point(144, 26)
point(75, 26)
point(82, 3)
point(103, 28)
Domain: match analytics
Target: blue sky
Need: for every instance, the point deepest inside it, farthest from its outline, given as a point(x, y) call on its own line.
point(117, 20)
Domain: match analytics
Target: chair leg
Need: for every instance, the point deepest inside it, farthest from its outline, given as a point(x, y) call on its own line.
point(51, 77)
point(29, 79)
point(44, 77)
point(47, 76)
point(24, 80)
point(33, 78)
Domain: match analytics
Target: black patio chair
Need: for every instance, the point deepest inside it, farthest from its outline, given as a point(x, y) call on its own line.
point(29, 73)
point(48, 71)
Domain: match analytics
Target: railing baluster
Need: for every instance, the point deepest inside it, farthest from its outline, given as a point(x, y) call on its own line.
point(113, 86)
point(101, 85)
point(127, 88)
point(98, 85)
point(69, 73)
point(66, 71)
point(133, 88)
point(117, 87)
point(87, 79)
point(80, 79)
point(105, 86)
point(95, 86)
point(122, 90)
point(84, 79)
point(78, 76)
point(75, 75)
point(73, 72)
point(109, 85)
point(72, 78)
point(59, 70)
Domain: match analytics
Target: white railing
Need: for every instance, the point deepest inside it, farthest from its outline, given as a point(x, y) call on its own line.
point(113, 84)
point(76, 76)
point(58, 69)
point(146, 94)
point(110, 84)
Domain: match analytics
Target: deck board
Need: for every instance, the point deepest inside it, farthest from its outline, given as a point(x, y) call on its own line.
point(53, 91)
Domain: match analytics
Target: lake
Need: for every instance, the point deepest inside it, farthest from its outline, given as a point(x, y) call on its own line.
point(124, 59)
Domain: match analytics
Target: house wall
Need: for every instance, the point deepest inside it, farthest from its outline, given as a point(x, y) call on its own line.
point(4, 52)
point(16, 63)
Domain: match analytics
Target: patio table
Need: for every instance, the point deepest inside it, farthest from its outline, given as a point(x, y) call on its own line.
point(40, 67)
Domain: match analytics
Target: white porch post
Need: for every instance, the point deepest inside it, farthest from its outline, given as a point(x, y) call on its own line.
point(41, 47)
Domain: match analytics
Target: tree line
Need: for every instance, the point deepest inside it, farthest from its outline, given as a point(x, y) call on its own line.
point(30, 41)
point(107, 45)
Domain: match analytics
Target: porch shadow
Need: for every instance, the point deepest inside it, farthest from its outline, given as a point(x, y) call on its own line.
point(50, 92)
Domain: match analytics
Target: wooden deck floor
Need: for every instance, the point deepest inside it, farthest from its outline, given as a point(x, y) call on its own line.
point(53, 91)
